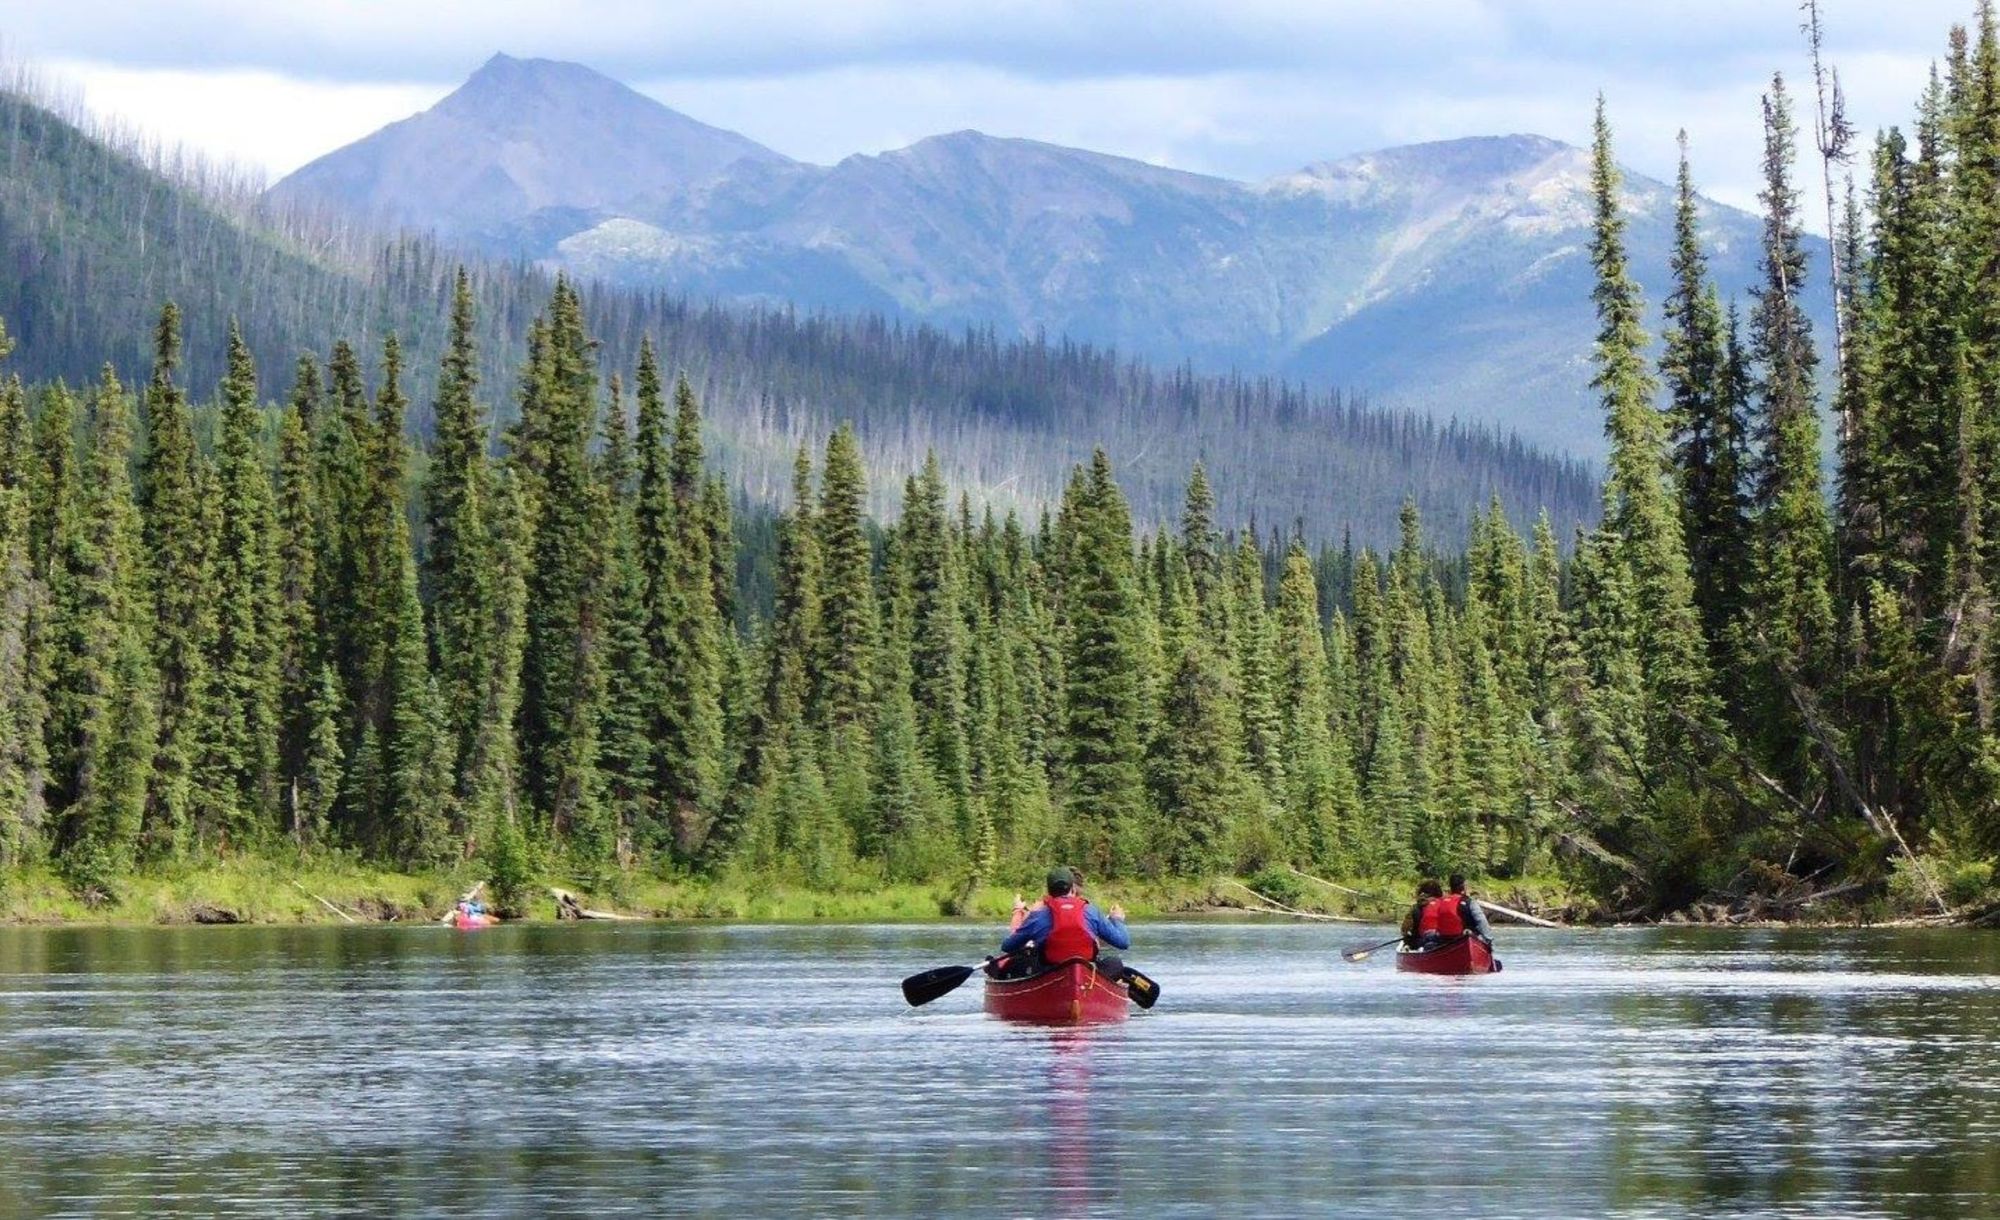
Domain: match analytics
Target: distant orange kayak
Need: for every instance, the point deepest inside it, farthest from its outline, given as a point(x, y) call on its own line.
point(468, 923)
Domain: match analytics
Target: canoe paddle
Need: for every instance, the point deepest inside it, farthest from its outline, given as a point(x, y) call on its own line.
point(921, 989)
point(1360, 952)
point(1144, 991)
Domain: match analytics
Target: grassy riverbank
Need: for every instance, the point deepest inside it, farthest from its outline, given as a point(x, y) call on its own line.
point(277, 890)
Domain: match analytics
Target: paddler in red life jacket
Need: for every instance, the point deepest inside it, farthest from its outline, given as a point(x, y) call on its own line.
point(1470, 913)
point(1428, 891)
point(1022, 910)
point(1452, 916)
point(1064, 927)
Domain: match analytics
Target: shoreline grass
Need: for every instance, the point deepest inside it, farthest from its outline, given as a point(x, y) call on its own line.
point(302, 890)
point(297, 890)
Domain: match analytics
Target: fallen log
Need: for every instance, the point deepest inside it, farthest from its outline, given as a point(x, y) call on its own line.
point(1806, 900)
point(1275, 907)
point(1334, 885)
point(323, 902)
point(1534, 921)
point(567, 907)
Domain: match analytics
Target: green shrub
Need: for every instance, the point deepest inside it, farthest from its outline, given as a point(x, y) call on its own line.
point(510, 869)
point(1967, 881)
point(1961, 879)
point(1282, 886)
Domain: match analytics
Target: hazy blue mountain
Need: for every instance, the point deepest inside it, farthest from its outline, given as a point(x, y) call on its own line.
point(1453, 276)
point(522, 143)
point(94, 237)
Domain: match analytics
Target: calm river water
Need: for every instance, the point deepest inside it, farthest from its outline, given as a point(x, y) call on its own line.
point(751, 1071)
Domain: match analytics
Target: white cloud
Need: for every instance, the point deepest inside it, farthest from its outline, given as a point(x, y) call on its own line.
point(258, 119)
point(1245, 90)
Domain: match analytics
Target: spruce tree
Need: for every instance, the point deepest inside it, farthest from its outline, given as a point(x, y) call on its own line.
point(777, 725)
point(171, 500)
point(53, 471)
point(458, 576)
point(1642, 523)
point(102, 688)
point(844, 677)
point(1707, 425)
point(238, 773)
point(1201, 549)
point(1105, 690)
point(683, 629)
point(1320, 796)
point(405, 783)
point(298, 645)
point(22, 746)
point(626, 753)
point(1792, 625)
point(562, 678)
point(1193, 771)
point(937, 638)
point(1251, 649)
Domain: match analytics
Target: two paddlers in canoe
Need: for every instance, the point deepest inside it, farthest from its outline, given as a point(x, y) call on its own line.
point(1439, 916)
point(1444, 933)
point(1053, 966)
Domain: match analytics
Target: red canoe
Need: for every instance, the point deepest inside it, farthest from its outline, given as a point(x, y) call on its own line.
point(466, 923)
point(1069, 994)
point(1467, 955)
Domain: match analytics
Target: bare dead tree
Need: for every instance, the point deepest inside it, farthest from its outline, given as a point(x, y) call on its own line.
point(1833, 135)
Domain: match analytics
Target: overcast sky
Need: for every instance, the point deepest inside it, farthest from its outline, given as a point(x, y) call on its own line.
point(1244, 89)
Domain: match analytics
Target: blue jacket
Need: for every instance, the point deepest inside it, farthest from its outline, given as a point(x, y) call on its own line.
point(1036, 928)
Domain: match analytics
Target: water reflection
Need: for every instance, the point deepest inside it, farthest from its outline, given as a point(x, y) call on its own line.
point(722, 1071)
point(1070, 1132)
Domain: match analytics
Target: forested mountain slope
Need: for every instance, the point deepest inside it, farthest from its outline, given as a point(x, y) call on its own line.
point(1449, 277)
point(93, 239)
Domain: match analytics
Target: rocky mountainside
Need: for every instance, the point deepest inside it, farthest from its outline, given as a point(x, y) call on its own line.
point(1452, 277)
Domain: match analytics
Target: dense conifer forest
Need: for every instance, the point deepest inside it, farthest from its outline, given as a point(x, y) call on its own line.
point(227, 626)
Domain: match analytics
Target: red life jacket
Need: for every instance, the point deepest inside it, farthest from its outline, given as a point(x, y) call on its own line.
point(1441, 915)
point(1069, 932)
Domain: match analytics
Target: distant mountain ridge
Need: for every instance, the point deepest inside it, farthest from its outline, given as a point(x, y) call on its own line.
point(521, 138)
point(93, 239)
point(1451, 277)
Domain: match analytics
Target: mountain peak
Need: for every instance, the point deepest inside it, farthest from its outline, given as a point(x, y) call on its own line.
point(506, 75)
point(520, 138)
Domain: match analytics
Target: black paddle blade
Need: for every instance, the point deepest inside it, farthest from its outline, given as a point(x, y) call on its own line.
point(1144, 991)
point(923, 988)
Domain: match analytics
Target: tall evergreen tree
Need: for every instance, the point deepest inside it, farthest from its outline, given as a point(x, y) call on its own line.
point(778, 725)
point(562, 680)
point(102, 687)
point(1652, 669)
point(937, 639)
point(1106, 695)
point(845, 665)
point(1792, 629)
point(298, 645)
point(683, 629)
point(170, 499)
point(1707, 425)
point(22, 746)
point(626, 754)
point(1320, 795)
point(238, 771)
point(458, 576)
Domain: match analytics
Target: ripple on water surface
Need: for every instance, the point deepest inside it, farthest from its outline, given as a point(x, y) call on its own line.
point(699, 1070)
